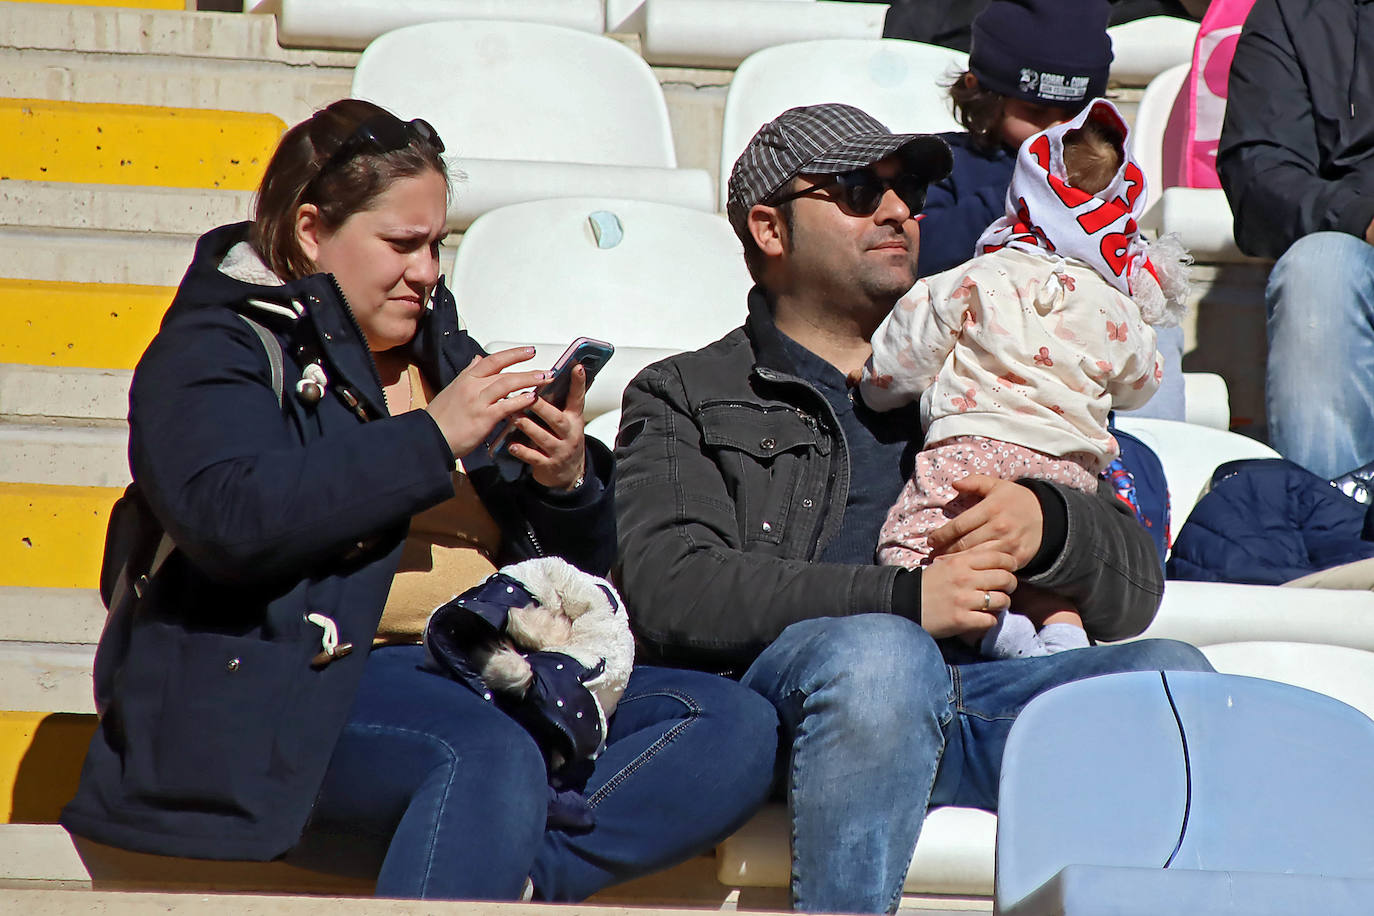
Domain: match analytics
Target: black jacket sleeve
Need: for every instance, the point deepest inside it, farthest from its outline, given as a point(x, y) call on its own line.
point(239, 492)
point(696, 596)
point(1271, 158)
point(1107, 564)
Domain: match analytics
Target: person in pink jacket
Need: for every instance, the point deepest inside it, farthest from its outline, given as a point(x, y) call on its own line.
point(1018, 355)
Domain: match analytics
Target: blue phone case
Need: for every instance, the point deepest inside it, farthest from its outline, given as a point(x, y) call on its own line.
point(586, 352)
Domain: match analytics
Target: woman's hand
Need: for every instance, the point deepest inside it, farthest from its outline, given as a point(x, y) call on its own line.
point(556, 451)
point(472, 404)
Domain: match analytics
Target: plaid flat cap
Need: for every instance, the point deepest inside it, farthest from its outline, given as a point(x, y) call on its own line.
point(822, 140)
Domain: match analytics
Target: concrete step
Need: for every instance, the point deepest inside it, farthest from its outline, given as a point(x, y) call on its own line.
point(46, 677)
point(107, 143)
point(64, 396)
point(95, 256)
point(176, 58)
point(64, 455)
point(135, 209)
point(90, 325)
point(72, 616)
point(53, 536)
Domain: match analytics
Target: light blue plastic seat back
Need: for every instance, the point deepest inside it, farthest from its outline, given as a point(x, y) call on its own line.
point(1217, 775)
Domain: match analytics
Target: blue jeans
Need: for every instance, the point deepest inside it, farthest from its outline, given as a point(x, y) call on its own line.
point(446, 796)
point(881, 727)
point(1319, 386)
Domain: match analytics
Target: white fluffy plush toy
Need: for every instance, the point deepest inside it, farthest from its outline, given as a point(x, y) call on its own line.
point(574, 613)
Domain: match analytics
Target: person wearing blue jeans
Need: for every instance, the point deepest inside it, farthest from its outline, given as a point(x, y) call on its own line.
point(1296, 159)
point(424, 765)
point(1319, 379)
point(879, 722)
point(751, 488)
point(306, 436)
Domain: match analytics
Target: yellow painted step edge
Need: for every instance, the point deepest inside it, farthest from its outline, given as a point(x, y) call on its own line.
point(53, 536)
point(99, 143)
point(85, 325)
point(40, 763)
point(130, 4)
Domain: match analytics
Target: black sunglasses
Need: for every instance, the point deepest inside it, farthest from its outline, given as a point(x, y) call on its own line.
point(861, 190)
point(383, 133)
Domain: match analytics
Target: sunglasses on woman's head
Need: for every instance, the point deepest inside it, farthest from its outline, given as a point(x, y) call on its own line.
point(383, 133)
point(861, 190)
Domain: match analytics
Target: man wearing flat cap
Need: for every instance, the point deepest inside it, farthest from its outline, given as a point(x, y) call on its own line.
point(751, 488)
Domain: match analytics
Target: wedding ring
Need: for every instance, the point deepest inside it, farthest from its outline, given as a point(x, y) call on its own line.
point(987, 601)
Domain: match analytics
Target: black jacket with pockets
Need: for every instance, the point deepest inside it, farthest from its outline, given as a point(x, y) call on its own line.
point(732, 477)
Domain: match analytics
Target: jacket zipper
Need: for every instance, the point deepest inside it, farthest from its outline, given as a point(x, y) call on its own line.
point(371, 363)
point(534, 540)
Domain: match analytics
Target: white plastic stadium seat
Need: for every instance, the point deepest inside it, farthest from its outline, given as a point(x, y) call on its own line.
point(1190, 453)
point(652, 279)
point(1200, 216)
point(1144, 48)
point(529, 111)
point(721, 33)
point(1185, 792)
point(353, 23)
point(954, 855)
point(1147, 133)
point(901, 83)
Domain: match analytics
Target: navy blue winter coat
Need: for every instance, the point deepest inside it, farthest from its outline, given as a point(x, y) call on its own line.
point(218, 728)
point(1269, 521)
point(960, 207)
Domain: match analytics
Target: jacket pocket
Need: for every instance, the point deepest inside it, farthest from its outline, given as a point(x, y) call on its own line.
point(767, 454)
point(205, 738)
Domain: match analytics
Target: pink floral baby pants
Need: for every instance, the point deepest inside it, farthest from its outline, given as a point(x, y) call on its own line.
point(929, 499)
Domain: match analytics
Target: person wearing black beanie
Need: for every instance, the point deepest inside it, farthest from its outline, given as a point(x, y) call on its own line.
point(1047, 52)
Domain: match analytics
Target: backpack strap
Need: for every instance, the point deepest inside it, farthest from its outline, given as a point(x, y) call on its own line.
point(122, 584)
point(124, 580)
point(274, 357)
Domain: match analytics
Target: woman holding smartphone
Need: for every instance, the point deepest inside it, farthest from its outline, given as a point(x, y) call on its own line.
point(306, 427)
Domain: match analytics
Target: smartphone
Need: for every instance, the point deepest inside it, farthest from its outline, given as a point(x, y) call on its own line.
point(591, 355)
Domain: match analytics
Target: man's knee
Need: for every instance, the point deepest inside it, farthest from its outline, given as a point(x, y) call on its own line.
point(872, 669)
point(1317, 273)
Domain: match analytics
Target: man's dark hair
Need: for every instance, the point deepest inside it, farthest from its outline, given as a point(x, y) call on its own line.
point(753, 255)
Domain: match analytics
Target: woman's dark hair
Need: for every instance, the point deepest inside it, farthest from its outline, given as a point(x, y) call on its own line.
point(978, 109)
point(302, 171)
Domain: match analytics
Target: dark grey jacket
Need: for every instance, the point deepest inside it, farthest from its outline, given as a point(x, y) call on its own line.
point(1297, 145)
point(732, 477)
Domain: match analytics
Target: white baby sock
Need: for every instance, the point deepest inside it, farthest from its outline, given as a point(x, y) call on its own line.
point(1013, 636)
